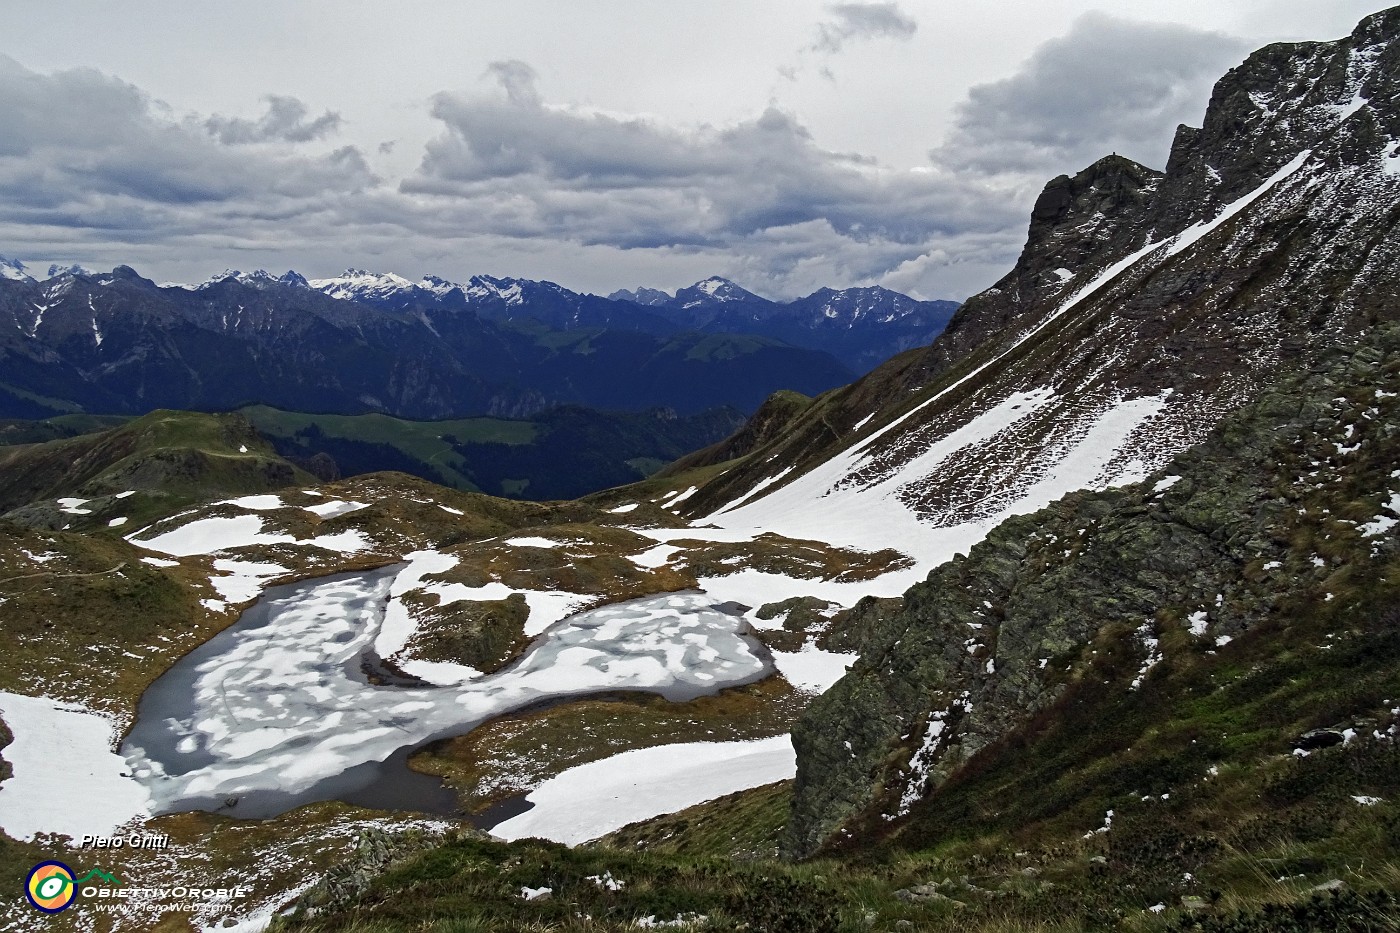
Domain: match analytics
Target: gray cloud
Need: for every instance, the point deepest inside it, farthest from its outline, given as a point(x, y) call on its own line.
point(1108, 85)
point(517, 79)
point(93, 170)
point(285, 121)
point(81, 148)
point(862, 21)
point(775, 206)
point(537, 169)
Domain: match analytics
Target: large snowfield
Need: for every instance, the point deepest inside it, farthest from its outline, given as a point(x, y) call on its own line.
point(830, 504)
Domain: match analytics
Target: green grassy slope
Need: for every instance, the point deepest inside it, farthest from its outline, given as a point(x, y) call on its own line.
point(427, 444)
point(562, 453)
point(167, 459)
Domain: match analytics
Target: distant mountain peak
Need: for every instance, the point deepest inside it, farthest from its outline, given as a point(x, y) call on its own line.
point(256, 277)
point(357, 284)
point(715, 285)
point(715, 290)
point(438, 285)
point(642, 296)
point(14, 269)
point(55, 270)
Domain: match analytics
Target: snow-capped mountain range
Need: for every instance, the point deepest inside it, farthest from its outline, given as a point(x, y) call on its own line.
point(118, 342)
point(862, 327)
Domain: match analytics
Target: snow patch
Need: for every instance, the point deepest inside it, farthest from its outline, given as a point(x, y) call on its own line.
point(826, 504)
point(241, 580)
point(655, 557)
point(1390, 159)
point(534, 542)
point(1166, 483)
point(261, 503)
point(73, 506)
point(811, 669)
point(335, 507)
point(66, 777)
point(594, 799)
point(209, 535)
point(1382, 523)
point(677, 498)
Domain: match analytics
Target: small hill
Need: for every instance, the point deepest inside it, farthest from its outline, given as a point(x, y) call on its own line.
point(160, 461)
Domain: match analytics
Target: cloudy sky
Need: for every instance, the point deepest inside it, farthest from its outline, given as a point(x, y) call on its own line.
point(787, 144)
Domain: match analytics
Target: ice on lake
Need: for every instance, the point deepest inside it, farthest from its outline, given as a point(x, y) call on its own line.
point(277, 711)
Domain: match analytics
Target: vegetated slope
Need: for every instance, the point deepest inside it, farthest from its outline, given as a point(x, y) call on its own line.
point(117, 343)
point(1150, 612)
point(771, 419)
point(1144, 306)
point(561, 453)
point(22, 431)
point(146, 467)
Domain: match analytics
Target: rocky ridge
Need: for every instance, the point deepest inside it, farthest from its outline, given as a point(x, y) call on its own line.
point(1144, 307)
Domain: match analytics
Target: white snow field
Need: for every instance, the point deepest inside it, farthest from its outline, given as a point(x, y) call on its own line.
point(52, 738)
point(277, 703)
point(594, 799)
point(831, 504)
point(242, 580)
point(334, 507)
point(209, 535)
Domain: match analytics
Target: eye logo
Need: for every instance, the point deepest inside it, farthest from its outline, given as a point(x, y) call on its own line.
point(50, 887)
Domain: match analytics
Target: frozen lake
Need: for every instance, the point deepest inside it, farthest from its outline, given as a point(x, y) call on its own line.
point(276, 711)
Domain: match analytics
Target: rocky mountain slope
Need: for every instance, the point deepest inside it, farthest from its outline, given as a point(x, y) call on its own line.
point(1145, 306)
point(1284, 516)
point(149, 466)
